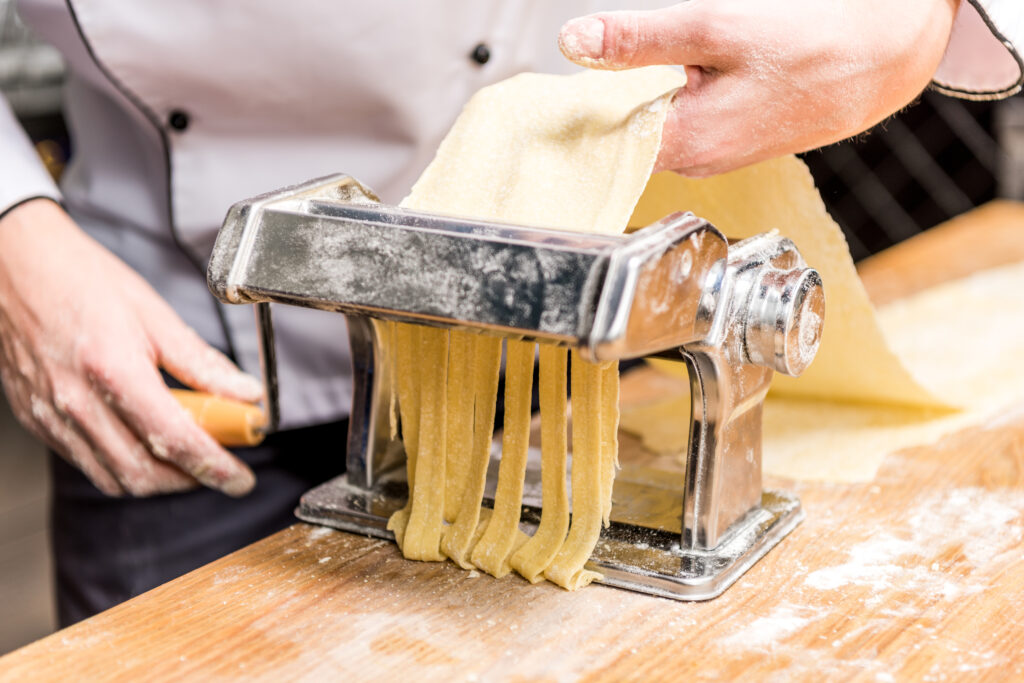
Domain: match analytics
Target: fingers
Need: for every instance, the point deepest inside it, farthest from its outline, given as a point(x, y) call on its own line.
point(89, 376)
point(184, 354)
point(140, 399)
point(40, 418)
point(114, 445)
point(59, 434)
point(718, 123)
point(85, 432)
point(695, 137)
point(680, 35)
point(712, 122)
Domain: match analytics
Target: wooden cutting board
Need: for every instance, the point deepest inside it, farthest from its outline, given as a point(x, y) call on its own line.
point(918, 574)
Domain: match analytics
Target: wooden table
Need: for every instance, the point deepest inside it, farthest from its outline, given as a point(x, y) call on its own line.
point(917, 574)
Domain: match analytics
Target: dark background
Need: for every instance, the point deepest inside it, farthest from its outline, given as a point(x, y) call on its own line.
point(935, 160)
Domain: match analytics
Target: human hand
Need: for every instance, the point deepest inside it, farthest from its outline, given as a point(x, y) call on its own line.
point(82, 338)
point(770, 78)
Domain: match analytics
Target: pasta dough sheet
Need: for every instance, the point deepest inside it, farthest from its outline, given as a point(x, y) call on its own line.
point(854, 361)
point(576, 153)
point(965, 338)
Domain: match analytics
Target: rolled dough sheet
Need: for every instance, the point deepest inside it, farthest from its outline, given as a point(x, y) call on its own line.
point(854, 362)
point(576, 153)
point(567, 152)
point(965, 338)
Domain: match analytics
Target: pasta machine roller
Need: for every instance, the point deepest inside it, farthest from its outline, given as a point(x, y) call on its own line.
point(734, 313)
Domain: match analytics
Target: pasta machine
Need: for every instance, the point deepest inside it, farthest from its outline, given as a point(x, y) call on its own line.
point(734, 313)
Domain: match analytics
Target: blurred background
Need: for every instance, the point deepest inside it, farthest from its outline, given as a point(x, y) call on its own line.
point(30, 78)
point(934, 161)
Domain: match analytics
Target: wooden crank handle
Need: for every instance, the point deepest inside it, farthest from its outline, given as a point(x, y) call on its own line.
point(230, 422)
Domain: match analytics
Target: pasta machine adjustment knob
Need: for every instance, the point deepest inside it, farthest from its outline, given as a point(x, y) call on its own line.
point(768, 317)
point(785, 317)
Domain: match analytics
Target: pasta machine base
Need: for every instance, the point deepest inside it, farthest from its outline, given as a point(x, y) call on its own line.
point(628, 555)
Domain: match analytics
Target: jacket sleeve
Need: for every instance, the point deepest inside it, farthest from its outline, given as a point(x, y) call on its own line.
point(983, 59)
point(22, 173)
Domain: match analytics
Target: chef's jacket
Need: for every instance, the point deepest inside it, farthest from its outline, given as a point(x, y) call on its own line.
point(178, 109)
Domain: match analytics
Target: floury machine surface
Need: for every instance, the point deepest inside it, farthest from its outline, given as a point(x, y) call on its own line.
point(735, 313)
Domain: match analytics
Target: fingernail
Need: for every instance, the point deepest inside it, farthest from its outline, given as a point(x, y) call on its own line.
point(583, 38)
point(250, 386)
point(240, 484)
point(242, 386)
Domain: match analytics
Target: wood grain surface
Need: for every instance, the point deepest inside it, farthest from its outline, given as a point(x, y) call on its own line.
point(917, 575)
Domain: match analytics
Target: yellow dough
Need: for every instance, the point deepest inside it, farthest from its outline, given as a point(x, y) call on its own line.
point(532, 559)
point(568, 152)
point(854, 362)
point(494, 548)
point(402, 340)
point(423, 530)
point(386, 333)
point(460, 420)
point(964, 339)
point(833, 441)
point(588, 484)
point(462, 535)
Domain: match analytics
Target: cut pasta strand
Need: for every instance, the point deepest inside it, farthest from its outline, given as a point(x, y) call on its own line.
point(426, 517)
point(609, 435)
point(460, 419)
point(404, 340)
point(461, 536)
point(492, 552)
point(587, 485)
point(533, 558)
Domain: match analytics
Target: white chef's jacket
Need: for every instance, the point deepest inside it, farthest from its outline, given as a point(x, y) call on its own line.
point(179, 109)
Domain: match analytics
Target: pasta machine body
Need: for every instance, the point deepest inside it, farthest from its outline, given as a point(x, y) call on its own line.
point(734, 313)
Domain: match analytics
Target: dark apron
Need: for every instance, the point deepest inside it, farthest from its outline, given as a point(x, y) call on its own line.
point(107, 550)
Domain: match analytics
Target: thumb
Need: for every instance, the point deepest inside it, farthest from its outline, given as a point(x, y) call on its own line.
point(193, 362)
point(679, 35)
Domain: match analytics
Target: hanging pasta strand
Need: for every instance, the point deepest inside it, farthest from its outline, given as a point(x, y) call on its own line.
point(404, 341)
point(533, 558)
point(587, 482)
point(502, 535)
point(460, 419)
point(462, 535)
point(426, 517)
point(609, 435)
point(387, 363)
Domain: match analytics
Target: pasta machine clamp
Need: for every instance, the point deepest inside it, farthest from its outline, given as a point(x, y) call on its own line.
point(734, 313)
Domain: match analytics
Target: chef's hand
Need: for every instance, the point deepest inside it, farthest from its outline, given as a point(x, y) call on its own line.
point(82, 338)
point(770, 78)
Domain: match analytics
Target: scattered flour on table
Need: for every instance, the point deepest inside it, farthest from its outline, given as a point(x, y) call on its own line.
point(319, 532)
point(941, 552)
point(978, 522)
point(784, 620)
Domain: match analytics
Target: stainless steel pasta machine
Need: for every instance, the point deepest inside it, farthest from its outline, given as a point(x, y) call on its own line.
point(734, 313)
